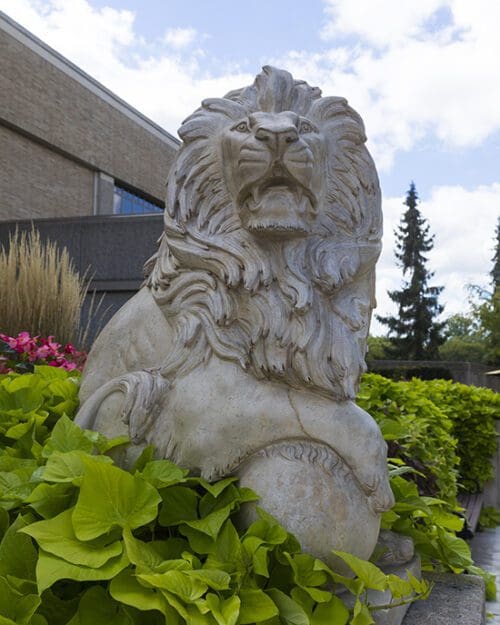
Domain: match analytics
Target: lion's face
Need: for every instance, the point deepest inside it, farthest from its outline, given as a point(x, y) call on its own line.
point(274, 165)
point(272, 230)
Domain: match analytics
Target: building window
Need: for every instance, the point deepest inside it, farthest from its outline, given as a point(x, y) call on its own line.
point(127, 203)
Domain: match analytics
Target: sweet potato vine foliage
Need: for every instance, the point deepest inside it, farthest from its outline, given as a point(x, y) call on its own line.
point(84, 542)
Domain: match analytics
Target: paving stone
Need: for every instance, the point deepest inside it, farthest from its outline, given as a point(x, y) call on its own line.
point(485, 548)
point(454, 600)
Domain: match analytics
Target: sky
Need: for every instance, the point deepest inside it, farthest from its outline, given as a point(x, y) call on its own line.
point(423, 74)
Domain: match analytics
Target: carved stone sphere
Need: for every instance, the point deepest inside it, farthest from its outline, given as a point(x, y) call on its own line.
point(312, 492)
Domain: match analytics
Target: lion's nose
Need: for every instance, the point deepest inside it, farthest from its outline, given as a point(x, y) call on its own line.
point(277, 139)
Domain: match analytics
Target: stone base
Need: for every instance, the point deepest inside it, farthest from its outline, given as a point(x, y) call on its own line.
point(393, 616)
point(454, 600)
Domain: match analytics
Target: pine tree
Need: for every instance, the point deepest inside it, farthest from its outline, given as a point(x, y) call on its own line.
point(415, 334)
point(495, 271)
point(489, 311)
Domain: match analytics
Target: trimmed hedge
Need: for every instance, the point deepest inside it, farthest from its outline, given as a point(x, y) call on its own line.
point(444, 429)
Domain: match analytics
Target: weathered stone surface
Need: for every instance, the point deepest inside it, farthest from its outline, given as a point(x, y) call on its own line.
point(242, 354)
point(455, 599)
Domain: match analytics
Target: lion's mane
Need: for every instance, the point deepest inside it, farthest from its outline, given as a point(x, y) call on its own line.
point(293, 310)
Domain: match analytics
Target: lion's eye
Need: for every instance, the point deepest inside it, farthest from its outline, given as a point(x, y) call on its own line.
point(305, 127)
point(242, 127)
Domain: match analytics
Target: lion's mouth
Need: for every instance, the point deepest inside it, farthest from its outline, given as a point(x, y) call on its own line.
point(277, 206)
point(250, 196)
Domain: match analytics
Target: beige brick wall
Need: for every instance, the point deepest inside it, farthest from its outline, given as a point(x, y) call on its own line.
point(46, 102)
point(37, 182)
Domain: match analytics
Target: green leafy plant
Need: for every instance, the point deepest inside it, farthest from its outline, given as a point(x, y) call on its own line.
point(417, 431)
point(443, 429)
point(83, 541)
point(472, 411)
point(441, 437)
point(432, 524)
point(489, 517)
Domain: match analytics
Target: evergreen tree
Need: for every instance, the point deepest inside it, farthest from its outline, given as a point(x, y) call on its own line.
point(489, 312)
point(414, 333)
point(495, 271)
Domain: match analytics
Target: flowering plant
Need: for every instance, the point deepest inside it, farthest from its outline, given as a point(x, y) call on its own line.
point(23, 352)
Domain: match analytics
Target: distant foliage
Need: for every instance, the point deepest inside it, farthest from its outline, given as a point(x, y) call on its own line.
point(42, 293)
point(495, 270)
point(414, 332)
point(489, 314)
point(378, 348)
point(475, 335)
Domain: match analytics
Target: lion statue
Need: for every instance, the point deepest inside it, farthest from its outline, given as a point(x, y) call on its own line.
point(242, 352)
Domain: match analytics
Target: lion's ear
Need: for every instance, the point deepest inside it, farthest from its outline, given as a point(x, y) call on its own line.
point(205, 121)
point(337, 112)
point(229, 108)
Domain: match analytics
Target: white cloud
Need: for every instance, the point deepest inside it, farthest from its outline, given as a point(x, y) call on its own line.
point(412, 69)
point(152, 76)
point(368, 19)
point(180, 37)
point(463, 222)
point(92, 38)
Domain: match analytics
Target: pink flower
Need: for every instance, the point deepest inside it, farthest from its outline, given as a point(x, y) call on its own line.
point(24, 342)
point(11, 342)
point(52, 345)
point(41, 351)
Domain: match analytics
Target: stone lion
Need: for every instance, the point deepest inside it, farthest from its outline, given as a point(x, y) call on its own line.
point(242, 352)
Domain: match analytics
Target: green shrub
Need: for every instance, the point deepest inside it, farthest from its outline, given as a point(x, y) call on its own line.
point(473, 411)
point(441, 437)
point(83, 541)
point(432, 525)
point(417, 431)
point(444, 429)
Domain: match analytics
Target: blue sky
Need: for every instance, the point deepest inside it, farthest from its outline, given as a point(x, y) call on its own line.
point(423, 74)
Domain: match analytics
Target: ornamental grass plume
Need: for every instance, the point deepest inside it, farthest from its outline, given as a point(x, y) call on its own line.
point(42, 292)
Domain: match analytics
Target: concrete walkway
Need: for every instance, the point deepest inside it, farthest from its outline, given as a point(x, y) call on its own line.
point(485, 548)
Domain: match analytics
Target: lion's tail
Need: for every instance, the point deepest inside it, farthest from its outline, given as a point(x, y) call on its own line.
point(141, 403)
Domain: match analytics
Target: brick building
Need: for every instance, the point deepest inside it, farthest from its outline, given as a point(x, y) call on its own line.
point(69, 147)
point(80, 163)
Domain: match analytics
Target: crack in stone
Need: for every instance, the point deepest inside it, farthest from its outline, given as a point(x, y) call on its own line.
point(295, 410)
